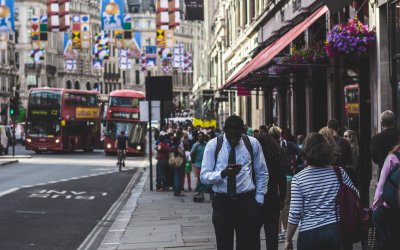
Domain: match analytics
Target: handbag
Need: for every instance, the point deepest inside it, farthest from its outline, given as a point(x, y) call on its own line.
point(175, 161)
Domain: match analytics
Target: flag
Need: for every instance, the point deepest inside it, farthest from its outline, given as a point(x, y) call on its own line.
point(112, 14)
point(7, 16)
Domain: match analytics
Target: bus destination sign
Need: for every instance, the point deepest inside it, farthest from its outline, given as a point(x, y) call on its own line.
point(124, 115)
point(82, 113)
point(44, 112)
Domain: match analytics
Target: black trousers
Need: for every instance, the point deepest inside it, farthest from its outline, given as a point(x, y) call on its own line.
point(239, 216)
point(269, 218)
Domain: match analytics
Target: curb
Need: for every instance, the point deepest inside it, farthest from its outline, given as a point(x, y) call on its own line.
point(16, 157)
point(2, 163)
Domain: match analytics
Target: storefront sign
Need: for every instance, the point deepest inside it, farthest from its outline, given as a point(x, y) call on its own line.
point(82, 113)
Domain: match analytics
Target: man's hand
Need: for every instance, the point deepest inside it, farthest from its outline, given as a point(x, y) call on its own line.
point(231, 170)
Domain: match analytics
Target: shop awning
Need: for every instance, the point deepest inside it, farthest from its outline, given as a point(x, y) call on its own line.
point(267, 54)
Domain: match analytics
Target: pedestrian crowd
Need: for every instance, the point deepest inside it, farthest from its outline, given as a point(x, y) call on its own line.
point(267, 178)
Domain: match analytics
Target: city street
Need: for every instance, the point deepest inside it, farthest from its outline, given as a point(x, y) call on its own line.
point(54, 201)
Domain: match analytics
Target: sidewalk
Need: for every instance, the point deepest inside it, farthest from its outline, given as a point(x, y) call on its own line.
point(162, 221)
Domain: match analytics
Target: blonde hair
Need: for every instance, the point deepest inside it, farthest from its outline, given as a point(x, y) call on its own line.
point(275, 132)
point(329, 135)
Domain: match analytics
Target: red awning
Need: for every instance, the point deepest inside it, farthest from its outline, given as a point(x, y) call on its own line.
point(268, 53)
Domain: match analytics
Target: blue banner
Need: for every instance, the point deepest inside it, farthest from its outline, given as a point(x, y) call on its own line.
point(7, 16)
point(112, 14)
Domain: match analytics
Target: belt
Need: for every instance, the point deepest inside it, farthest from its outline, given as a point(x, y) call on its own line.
point(237, 196)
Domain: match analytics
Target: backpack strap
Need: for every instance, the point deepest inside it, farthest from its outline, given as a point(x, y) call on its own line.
point(397, 154)
point(338, 174)
point(220, 140)
point(247, 143)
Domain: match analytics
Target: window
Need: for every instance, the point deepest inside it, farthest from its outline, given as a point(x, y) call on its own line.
point(137, 76)
point(45, 98)
point(136, 24)
point(76, 99)
point(31, 12)
point(16, 14)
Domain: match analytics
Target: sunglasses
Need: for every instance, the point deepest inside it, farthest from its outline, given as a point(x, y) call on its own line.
point(346, 136)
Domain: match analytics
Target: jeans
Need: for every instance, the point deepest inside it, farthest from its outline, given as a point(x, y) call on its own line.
point(177, 180)
point(326, 237)
point(161, 178)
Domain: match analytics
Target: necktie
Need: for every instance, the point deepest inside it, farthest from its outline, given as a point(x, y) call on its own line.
point(232, 179)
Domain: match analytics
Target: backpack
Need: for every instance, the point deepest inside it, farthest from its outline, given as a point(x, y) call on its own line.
point(287, 157)
point(390, 192)
point(353, 219)
point(247, 143)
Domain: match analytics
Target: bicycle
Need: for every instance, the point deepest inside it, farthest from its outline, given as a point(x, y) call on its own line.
point(121, 159)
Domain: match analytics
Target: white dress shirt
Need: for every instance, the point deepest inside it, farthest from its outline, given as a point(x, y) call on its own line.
point(244, 180)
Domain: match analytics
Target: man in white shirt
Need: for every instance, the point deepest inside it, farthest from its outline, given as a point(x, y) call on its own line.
point(239, 185)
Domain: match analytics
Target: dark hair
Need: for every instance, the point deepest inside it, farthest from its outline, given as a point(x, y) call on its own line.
point(201, 133)
point(270, 147)
point(263, 129)
point(161, 138)
point(317, 151)
point(234, 122)
point(333, 124)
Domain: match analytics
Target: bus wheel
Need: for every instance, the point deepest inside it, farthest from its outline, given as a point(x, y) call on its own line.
point(38, 151)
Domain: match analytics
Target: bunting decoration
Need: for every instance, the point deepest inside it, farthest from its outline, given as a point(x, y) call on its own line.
point(7, 16)
point(81, 31)
point(101, 49)
point(112, 14)
point(178, 56)
point(174, 13)
point(123, 38)
point(151, 56)
point(70, 55)
point(166, 59)
point(187, 62)
point(124, 61)
point(143, 65)
point(39, 38)
point(58, 13)
point(134, 51)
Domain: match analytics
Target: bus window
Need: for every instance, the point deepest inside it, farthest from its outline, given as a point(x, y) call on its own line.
point(45, 98)
point(48, 128)
point(126, 102)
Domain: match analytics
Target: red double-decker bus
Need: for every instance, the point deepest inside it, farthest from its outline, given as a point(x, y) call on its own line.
point(123, 114)
point(63, 120)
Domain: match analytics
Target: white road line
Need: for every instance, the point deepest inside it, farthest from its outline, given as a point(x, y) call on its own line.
point(8, 191)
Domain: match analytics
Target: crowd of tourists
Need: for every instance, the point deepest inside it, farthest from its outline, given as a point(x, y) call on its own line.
point(268, 178)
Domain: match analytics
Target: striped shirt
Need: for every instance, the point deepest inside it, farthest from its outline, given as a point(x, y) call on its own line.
point(313, 197)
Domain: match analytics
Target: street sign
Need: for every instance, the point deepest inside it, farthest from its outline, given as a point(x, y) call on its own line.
point(155, 110)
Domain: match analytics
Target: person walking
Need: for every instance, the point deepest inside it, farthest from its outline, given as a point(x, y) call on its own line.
point(275, 197)
point(239, 180)
point(178, 151)
point(313, 199)
point(351, 137)
point(196, 155)
point(345, 159)
point(383, 142)
point(386, 219)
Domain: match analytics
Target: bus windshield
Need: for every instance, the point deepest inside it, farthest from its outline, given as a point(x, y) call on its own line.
point(134, 131)
point(126, 102)
point(45, 98)
point(43, 128)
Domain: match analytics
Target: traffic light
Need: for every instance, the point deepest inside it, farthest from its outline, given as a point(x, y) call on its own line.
point(12, 107)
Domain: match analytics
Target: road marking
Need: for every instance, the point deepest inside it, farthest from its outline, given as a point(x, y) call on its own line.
point(31, 212)
point(64, 194)
point(8, 191)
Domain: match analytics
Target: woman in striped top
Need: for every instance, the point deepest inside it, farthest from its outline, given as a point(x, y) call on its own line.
point(312, 206)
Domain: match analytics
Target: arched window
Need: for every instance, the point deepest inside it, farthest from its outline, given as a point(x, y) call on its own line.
point(77, 85)
point(69, 84)
point(96, 87)
point(88, 86)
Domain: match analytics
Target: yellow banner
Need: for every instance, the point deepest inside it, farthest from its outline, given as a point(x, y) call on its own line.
point(82, 113)
point(204, 123)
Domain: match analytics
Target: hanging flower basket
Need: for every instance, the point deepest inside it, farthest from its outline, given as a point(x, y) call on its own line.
point(351, 40)
point(314, 54)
